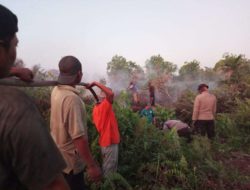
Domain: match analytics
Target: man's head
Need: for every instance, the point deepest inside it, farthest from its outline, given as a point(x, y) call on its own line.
point(202, 87)
point(8, 40)
point(70, 71)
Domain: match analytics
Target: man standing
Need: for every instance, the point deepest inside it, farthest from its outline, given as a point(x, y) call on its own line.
point(107, 127)
point(134, 90)
point(204, 112)
point(29, 159)
point(68, 125)
point(151, 89)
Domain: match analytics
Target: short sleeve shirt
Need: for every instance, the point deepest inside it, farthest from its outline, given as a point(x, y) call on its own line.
point(68, 121)
point(133, 88)
point(148, 113)
point(29, 158)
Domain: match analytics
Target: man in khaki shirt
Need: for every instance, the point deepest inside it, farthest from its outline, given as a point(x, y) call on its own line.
point(69, 125)
point(204, 112)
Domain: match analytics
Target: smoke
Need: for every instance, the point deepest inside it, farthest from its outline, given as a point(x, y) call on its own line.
point(176, 88)
point(168, 88)
point(119, 81)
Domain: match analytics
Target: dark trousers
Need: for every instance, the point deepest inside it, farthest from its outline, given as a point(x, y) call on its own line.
point(205, 127)
point(75, 181)
point(152, 100)
point(185, 132)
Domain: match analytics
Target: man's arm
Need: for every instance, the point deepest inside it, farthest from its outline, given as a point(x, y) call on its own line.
point(195, 109)
point(109, 93)
point(24, 74)
point(93, 169)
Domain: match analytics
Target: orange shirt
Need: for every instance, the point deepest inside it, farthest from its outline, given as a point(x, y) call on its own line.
point(106, 124)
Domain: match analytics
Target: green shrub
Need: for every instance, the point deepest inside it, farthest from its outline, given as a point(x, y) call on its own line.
point(225, 126)
point(184, 106)
point(241, 115)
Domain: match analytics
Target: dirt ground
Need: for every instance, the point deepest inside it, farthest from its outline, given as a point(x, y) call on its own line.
point(240, 164)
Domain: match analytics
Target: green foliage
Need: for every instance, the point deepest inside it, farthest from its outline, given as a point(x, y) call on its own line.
point(236, 69)
point(123, 99)
point(156, 66)
point(163, 114)
point(190, 70)
point(225, 126)
point(226, 99)
point(241, 115)
point(228, 62)
point(150, 159)
point(184, 106)
point(113, 181)
point(230, 135)
point(119, 65)
point(41, 97)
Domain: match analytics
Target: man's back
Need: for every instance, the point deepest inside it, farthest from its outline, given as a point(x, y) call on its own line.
point(68, 122)
point(28, 155)
point(204, 106)
point(106, 123)
point(169, 124)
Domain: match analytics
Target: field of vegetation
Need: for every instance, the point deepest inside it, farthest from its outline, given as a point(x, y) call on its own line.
point(150, 159)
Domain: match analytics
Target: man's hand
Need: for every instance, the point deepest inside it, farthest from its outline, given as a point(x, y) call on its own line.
point(90, 85)
point(193, 124)
point(193, 128)
point(94, 173)
point(24, 74)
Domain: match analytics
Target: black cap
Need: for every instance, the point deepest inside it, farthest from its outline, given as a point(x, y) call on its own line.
point(69, 67)
point(201, 86)
point(8, 23)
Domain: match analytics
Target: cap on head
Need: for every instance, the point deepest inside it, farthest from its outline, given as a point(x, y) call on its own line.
point(69, 66)
point(201, 86)
point(8, 23)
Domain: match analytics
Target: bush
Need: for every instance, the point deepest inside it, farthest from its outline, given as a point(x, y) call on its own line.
point(184, 106)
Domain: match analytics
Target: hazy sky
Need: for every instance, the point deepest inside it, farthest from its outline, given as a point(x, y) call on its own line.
point(96, 30)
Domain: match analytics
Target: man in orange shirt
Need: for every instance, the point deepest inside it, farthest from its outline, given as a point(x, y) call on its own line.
point(107, 127)
point(204, 111)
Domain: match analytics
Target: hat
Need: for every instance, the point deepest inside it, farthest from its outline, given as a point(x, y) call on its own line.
point(202, 86)
point(8, 23)
point(69, 67)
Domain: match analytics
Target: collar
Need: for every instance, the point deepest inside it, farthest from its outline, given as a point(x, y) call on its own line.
point(69, 88)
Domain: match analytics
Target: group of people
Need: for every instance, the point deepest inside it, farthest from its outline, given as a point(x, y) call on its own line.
point(31, 157)
point(204, 111)
point(68, 125)
point(135, 96)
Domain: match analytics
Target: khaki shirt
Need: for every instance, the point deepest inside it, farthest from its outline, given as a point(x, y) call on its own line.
point(204, 107)
point(68, 121)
